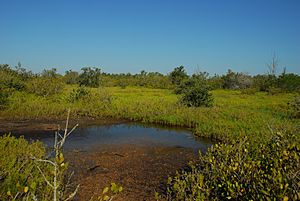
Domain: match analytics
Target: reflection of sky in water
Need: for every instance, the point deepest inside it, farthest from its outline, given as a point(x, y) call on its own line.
point(136, 134)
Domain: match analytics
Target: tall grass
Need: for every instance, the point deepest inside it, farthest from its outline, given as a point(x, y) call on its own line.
point(234, 113)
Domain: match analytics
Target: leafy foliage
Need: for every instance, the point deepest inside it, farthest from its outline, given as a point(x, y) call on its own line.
point(3, 98)
point(71, 77)
point(237, 171)
point(264, 82)
point(294, 107)
point(19, 176)
point(78, 94)
point(147, 79)
point(90, 77)
point(11, 79)
point(178, 75)
point(289, 82)
point(50, 73)
point(44, 86)
point(234, 80)
point(109, 194)
point(195, 92)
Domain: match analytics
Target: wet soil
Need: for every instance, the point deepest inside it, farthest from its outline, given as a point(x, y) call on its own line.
point(46, 126)
point(140, 170)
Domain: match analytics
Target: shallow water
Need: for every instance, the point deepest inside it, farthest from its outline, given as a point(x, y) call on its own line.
point(97, 136)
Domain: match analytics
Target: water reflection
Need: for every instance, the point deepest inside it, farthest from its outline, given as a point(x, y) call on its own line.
point(85, 138)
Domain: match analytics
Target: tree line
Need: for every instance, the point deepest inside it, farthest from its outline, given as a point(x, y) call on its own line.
point(94, 77)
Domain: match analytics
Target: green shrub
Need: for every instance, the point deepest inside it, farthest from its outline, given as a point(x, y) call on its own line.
point(234, 80)
point(195, 93)
point(18, 173)
point(3, 98)
point(71, 77)
point(178, 75)
point(294, 107)
point(104, 96)
point(274, 90)
point(265, 82)
point(78, 94)
point(289, 82)
point(44, 86)
point(10, 79)
point(238, 171)
point(90, 77)
point(249, 91)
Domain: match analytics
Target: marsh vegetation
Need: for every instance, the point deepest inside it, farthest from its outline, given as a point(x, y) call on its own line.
point(254, 119)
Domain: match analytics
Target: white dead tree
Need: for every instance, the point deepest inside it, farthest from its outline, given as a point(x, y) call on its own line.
point(272, 66)
point(57, 162)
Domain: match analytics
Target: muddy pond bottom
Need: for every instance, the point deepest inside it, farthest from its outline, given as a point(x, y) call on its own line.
point(139, 157)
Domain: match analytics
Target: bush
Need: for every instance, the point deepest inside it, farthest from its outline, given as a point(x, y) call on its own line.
point(237, 171)
point(3, 98)
point(274, 90)
point(18, 173)
point(249, 91)
point(195, 93)
point(90, 77)
point(294, 107)
point(78, 94)
point(265, 82)
point(178, 75)
point(45, 87)
point(289, 82)
point(71, 77)
point(234, 80)
point(10, 79)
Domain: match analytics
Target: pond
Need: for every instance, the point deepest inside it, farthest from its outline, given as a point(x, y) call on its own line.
point(138, 156)
point(97, 136)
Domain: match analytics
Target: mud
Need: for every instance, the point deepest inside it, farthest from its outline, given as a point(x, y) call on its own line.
point(140, 170)
point(48, 126)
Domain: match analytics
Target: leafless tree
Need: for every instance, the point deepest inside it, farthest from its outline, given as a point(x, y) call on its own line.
point(273, 65)
point(57, 162)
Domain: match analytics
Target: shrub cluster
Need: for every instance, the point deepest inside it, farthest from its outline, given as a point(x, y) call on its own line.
point(44, 86)
point(294, 107)
point(90, 77)
point(195, 92)
point(78, 94)
point(238, 172)
point(19, 177)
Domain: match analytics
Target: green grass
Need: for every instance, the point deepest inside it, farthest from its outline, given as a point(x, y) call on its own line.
point(233, 115)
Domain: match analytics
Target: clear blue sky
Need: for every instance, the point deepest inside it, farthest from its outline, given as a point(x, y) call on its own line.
point(151, 35)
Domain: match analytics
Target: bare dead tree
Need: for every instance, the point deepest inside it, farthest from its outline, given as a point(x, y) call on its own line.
point(272, 66)
point(57, 162)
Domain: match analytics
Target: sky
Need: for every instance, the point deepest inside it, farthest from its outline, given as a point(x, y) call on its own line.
point(152, 35)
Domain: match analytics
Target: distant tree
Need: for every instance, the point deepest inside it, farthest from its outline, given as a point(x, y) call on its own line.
point(50, 73)
point(244, 81)
point(71, 77)
point(201, 75)
point(216, 82)
point(10, 79)
point(264, 82)
point(178, 75)
point(90, 77)
point(45, 86)
point(273, 65)
point(230, 80)
point(196, 92)
point(22, 72)
point(142, 78)
point(234, 80)
point(289, 82)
